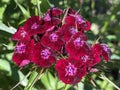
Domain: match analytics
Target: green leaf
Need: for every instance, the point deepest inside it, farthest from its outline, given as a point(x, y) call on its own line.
point(51, 79)
point(48, 80)
point(80, 86)
point(109, 81)
point(7, 29)
point(21, 76)
point(31, 79)
point(25, 12)
point(60, 85)
point(5, 66)
point(45, 5)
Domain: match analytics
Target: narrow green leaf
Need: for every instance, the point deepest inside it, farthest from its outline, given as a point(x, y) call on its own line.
point(31, 79)
point(24, 11)
point(51, 80)
point(45, 81)
point(5, 28)
point(21, 76)
point(45, 5)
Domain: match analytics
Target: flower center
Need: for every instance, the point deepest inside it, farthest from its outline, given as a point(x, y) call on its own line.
point(23, 33)
point(72, 30)
point(45, 54)
point(34, 26)
point(53, 37)
point(85, 58)
point(47, 17)
point(20, 48)
point(79, 19)
point(70, 70)
point(78, 42)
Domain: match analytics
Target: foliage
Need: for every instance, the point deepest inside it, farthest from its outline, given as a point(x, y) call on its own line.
point(105, 17)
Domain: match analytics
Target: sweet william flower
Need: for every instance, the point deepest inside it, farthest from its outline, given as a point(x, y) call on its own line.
point(70, 71)
point(43, 56)
point(53, 12)
point(51, 19)
point(85, 26)
point(101, 50)
point(74, 19)
point(105, 52)
point(43, 40)
point(77, 45)
point(67, 31)
point(53, 40)
point(21, 34)
point(22, 52)
point(34, 25)
point(50, 22)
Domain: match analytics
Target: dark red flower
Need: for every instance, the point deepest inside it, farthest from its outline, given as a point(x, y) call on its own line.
point(52, 40)
point(34, 25)
point(21, 34)
point(22, 53)
point(67, 31)
point(54, 12)
point(101, 49)
point(86, 56)
point(50, 22)
point(74, 19)
point(96, 50)
point(77, 45)
point(105, 52)
point(42, 56)
point(85, 26)
point(70, 71)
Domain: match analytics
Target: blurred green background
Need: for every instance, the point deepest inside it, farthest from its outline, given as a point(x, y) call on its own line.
point(104, 16)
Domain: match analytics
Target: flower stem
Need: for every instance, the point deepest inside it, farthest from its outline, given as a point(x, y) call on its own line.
point(38, 7)
point(20, 81)
point(63, 20)
point(36, 79)
point(105, 78)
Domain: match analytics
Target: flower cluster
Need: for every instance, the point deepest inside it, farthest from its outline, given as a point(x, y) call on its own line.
point(58, 38)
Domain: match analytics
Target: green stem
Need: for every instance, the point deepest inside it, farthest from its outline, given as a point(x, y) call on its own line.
point(36, 79)
point(38, 7)
point(63, 20)
point(105, 78)
point(20, 81)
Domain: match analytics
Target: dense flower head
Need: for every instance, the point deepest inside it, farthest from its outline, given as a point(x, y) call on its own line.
point(58, 38)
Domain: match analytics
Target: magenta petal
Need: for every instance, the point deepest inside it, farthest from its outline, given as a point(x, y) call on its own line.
point(24, 62)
